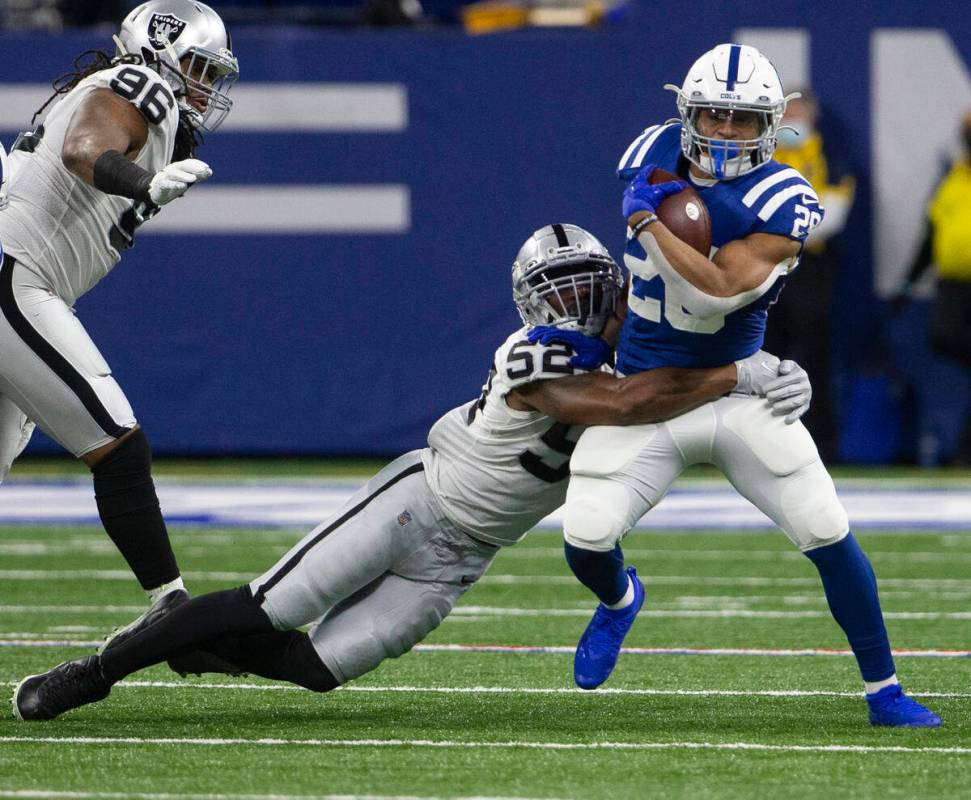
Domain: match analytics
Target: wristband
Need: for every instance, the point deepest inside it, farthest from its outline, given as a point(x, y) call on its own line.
point(115, 174)
point(641, 224)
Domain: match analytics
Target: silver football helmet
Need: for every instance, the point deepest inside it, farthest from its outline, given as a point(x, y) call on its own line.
point(729, 78)
point(564, 276)
point(188, 44)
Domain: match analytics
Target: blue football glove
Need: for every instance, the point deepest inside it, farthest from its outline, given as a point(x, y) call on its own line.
point(640, 195)
point(591, 351)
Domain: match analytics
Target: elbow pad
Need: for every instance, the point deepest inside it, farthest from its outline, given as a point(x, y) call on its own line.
point(694, 300)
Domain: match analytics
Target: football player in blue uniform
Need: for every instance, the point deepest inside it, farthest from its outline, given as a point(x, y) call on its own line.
point(687, 310)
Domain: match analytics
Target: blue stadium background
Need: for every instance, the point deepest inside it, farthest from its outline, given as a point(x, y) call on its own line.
point(343, 342)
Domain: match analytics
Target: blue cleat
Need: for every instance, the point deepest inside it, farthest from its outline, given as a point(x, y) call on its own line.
point(890, 706)
point(600, 644)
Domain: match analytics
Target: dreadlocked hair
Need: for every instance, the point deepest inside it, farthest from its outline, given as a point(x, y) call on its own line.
point(187, 139)
point(97, 60)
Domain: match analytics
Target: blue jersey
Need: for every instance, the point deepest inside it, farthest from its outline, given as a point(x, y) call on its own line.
point(773, 199)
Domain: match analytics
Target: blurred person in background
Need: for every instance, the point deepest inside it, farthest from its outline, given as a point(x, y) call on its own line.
point(799, 325)
point(946, 245)
point(53, 15)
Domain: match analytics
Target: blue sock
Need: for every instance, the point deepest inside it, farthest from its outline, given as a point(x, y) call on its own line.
point(602, 573)
point(851, 590)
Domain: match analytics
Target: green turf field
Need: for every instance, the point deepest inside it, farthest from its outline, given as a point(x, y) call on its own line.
point(493, 724)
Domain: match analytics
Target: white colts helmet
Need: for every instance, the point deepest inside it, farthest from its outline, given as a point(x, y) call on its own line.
point(731, 77)
point(188, 44)
point(564, 276)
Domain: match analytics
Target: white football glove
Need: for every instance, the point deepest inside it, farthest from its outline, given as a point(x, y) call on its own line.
point(783, 383)
point(790, 393)
point(755, 372)
point(174, 180)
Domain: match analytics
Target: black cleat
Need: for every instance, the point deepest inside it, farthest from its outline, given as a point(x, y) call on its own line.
point(201, 661)
point(160, 608)
point(68, 685)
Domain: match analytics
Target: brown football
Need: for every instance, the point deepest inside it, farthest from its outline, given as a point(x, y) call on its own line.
point(685, 214)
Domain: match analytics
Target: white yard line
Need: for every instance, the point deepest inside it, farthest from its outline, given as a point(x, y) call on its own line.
point(78, 795)
point(523, 690)
point(473, 614)
point(484, 612)
point(690, 580)
point(651, 554)
point(548, 649)
point(112, 575)
point(75, 609)
point(30, 549)
point(479, 745)
point(515, 690)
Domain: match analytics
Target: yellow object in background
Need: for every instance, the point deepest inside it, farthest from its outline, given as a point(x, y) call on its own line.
point(490, 17)
point(950, 211)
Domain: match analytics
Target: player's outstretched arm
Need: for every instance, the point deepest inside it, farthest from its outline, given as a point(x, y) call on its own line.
point(102, 141)
point(102, 122)
point(598, 398)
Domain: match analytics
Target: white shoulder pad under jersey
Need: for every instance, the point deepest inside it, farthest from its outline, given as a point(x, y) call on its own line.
point(498, 471)
point(62, 227)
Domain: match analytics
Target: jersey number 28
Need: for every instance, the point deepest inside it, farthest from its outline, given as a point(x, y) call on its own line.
point(650, 308)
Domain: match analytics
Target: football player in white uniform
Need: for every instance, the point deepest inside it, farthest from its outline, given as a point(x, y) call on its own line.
point(691, 311)
point(116, 146)
point(389, 566)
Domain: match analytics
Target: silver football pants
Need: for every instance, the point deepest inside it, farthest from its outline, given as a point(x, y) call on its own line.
point(380, 575)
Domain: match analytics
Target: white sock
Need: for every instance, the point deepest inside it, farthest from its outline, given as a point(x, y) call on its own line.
point(876, 686)
point(626, 600)
point(165, 588)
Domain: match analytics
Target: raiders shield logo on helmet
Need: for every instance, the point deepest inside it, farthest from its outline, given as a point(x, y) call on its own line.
point(164, 28)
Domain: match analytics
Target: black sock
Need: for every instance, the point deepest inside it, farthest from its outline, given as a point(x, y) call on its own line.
point(233, 611)
point(129, 510)
point(278, 655)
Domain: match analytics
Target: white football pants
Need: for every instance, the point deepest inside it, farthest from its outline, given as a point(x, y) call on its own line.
point(51, 372)
point(621, 473)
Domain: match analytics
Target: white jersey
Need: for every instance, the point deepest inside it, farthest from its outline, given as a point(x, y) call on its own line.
point(61, 227)
point(497, 471)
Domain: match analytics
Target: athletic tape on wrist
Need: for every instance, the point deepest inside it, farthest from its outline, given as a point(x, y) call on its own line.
point(115, 174)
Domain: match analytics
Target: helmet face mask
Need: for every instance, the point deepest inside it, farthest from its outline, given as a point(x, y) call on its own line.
point(564, 276)
point(188, 44)
point(727, 81)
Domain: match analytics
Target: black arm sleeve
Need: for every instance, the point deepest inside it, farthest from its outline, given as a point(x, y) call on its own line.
point(115, 174)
